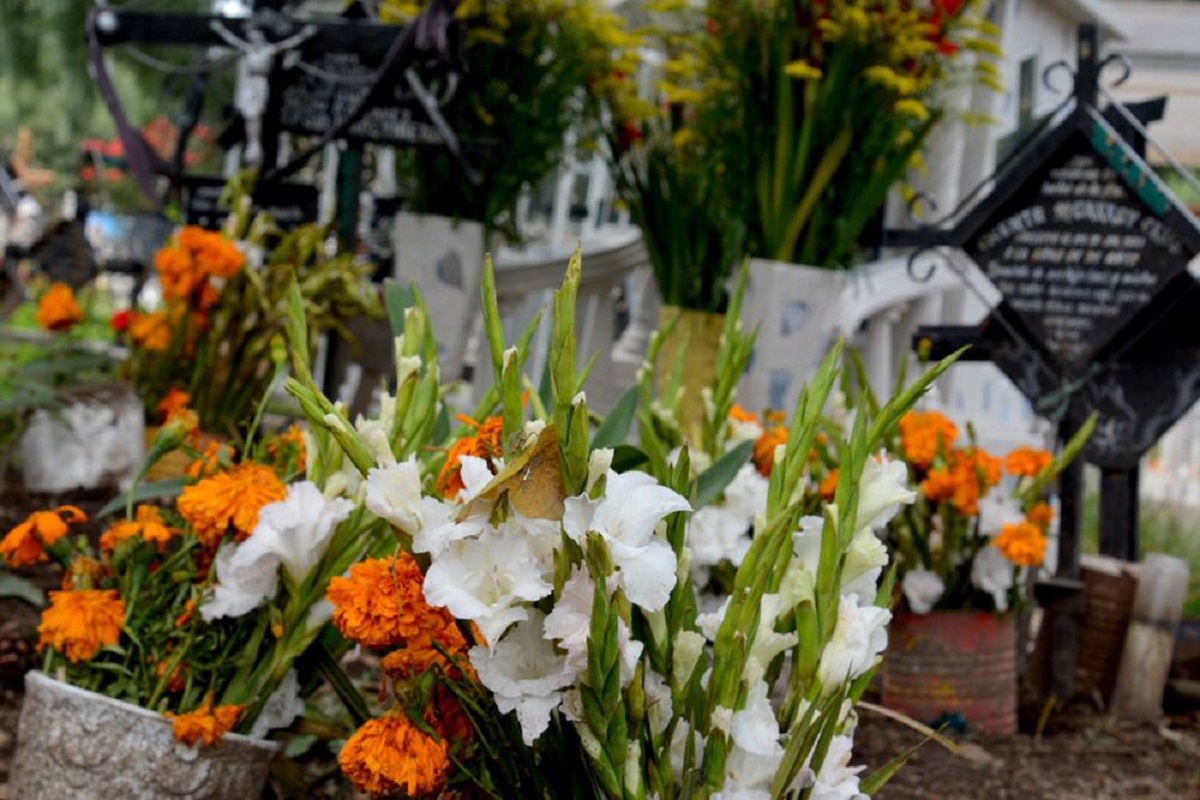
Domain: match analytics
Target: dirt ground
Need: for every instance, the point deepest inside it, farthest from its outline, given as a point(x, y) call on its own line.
point(1081, 754)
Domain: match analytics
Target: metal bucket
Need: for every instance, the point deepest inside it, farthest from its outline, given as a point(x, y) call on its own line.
point(1109, 586)
point(954, 663)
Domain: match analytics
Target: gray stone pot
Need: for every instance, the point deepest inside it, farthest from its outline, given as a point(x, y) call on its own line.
point(73, 743)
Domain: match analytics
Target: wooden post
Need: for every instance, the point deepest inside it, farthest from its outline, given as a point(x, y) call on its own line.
point(1150, 642)
point(1063, 612)
point(1119, 513)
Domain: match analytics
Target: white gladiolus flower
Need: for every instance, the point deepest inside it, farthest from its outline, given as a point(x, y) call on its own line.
point(746, 494)
point(570, 621)
point(715, 534)
point(743, 430)
point(242, 583)
point(487, 580)
point(710, 623)
point(524, 674)
point(859, 636)
point(992, 573)
point(632, 505)
point(659, 707)
point(865, 560)
point(756, 754)
point(922, 589)
point(881, 491)
point(835, 779)
point(767, 642)
point(394, 493)
point(296, 529)
point(689, 645)
point(599, 463)
point(997, 510)
point(281, 708)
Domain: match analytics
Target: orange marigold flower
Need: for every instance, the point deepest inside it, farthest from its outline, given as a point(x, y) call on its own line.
point(215, 457)
point(1041, 515)
point(231, 498)
point(923, 434)
point(1027, 462)
point(177, 272)
point(58, 310)
point(150, 331)
point(939, 485)
point(147, 523)
point(390, 753)
point(382, 603)
point(290, 441)
point(206, 724)
point(740, 414)
point(1022, 543)
point(84, 573)
point(174, 401)
point(764, 448)
point(219, 257)
point(828, 487)
point(447, 716)
point(176, 682)
point(189, 608)
point(984, 465)
point(486, 444)
point(78, 623)
point(26, 543)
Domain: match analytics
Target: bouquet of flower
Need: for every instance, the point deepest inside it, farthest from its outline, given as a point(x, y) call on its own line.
point(969, 539)
point(668, 171)
point(522, 89)
point(536, 610)
point(216, 335)
point(197, 609)
point(37, 370)
point(820, 108)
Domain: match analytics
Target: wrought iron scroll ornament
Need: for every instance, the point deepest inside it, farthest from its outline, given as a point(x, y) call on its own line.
point(432, 38)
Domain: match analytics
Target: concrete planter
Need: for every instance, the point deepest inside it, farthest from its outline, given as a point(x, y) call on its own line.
point(94, 441)
point(78, 744)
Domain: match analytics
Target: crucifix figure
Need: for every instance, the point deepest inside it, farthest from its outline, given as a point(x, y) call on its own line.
point(254, 72)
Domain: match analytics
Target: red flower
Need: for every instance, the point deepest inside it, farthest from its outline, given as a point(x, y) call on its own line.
point(120, 320)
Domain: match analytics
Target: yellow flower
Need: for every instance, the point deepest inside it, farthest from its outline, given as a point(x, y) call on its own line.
point(78, 623)
point(908, 107)
point(803, 71)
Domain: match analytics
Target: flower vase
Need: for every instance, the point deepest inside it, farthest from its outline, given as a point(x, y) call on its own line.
point(953, 663)
point(78, 744)
point(93, 440)
point(798, 312)
point(700, 333)
point(444, 258)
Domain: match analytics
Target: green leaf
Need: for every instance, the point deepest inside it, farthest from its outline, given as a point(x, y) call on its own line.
point(155, 490)
point(626, 457)
point(615, 429)
point(22, 589)
point(398, 298)
point(714, 479)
